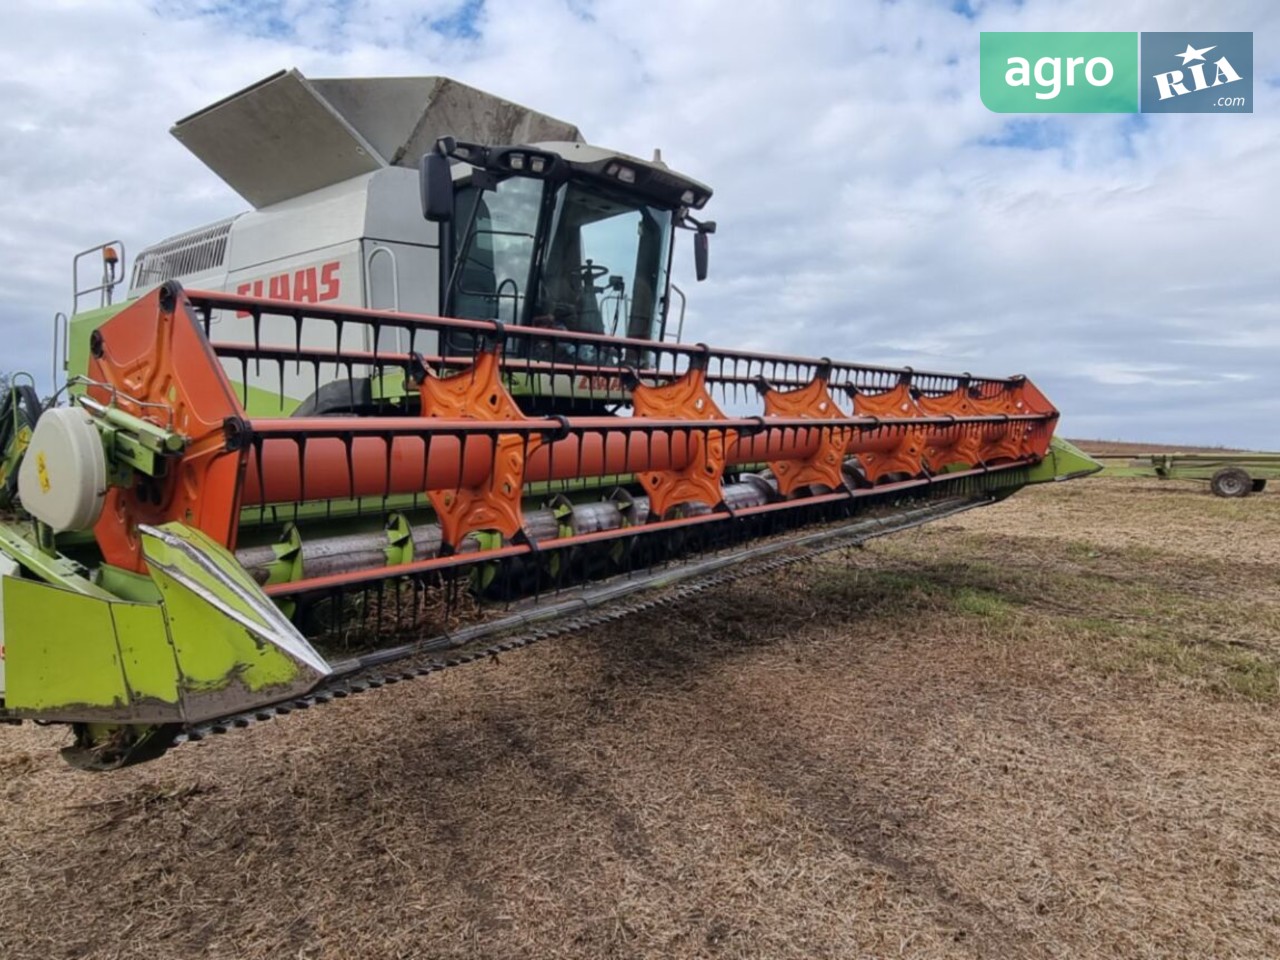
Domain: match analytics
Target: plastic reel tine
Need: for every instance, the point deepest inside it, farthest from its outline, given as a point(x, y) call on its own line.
point(628, 550)
point(626, 451)
point(536, 567)
point(462, 458)
point(563, 558)
point(297, 345)
point(382, 604)
point(256, 315)
point(333, 600)
point(551, 452)
point(389, 441)
point(426, 458)
point(452, 589)
point(524, 447)
point(419, 597)
point(258, 444)
point(363, 605)
point(647, 433)
point(315, 373)
point(404, 606)
point(244, 381)
point(301, 442)
point(348, 445)
point(493, 454)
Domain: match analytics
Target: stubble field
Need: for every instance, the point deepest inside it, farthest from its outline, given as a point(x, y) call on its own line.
point(1047, 728)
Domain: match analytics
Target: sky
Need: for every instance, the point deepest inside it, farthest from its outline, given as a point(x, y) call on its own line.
point(870, 208)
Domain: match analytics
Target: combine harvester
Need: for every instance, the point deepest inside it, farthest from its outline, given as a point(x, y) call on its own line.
point(439, 360)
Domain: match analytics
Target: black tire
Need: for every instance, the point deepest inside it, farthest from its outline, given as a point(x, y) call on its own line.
point(1231, 482)
point(1259, 486)
point(20, 407)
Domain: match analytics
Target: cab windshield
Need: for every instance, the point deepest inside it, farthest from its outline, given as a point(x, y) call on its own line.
point(571, 256)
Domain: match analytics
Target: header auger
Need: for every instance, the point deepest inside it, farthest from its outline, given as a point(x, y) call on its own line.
point(252, 504)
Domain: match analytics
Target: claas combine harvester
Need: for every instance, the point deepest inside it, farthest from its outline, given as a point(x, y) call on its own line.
point(426, 401)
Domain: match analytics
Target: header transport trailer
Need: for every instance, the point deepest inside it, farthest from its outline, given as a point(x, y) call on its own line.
point(1228, 474)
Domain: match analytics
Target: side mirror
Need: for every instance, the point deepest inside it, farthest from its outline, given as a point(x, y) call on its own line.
point(700, 250)
point(435, 182)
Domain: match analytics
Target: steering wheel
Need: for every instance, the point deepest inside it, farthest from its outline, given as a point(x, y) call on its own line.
point(590, 272)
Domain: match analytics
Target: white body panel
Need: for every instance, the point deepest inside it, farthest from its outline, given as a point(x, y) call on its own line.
point(359, 243)
point(63, 477)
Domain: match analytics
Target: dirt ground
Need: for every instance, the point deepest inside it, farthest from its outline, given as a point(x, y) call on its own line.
point(1045, 729)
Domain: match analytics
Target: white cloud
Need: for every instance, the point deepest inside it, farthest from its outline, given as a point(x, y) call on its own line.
point(1132, 374)
point(1127, 266)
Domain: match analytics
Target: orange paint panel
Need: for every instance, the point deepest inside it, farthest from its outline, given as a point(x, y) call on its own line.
point(699, 481)
point(155, 355)
point(495, 502)
point(322, 471)
point(825, 466)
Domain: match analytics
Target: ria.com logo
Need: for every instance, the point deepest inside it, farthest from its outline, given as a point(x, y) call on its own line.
point(1102, 72)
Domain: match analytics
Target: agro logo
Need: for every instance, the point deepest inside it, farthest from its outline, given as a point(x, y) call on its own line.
point(1197, 72)
point(1048, 72)
point(1065, 72)
point(1061, 72)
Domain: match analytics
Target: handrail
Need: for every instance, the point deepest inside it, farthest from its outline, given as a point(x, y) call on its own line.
point(683, 303)
point(112, 273)
point(61, 328)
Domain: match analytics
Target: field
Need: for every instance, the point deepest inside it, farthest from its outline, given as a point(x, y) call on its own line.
point(1045, 729)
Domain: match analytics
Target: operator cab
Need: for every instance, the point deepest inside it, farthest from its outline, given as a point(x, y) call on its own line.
point(564, 236)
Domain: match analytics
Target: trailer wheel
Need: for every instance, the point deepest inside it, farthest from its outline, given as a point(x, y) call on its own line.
point(1259, 485)
point(1231, 482)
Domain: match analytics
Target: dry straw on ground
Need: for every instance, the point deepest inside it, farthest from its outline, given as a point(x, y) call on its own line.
point(1045, 729)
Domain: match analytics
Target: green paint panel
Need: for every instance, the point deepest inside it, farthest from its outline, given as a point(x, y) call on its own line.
point(263, 403)
point(127, 585)
point(53, 569)
point(145, 651)
point(213, 650)
point(60, 649)
point(1063, 462)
